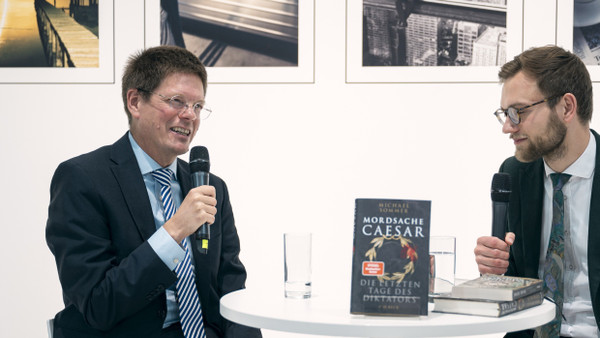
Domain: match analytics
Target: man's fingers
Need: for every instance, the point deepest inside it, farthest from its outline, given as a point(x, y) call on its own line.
point(494, 265)
point(205, 195)
point(492, 270)
point(509, 238)
point(207, 190)
point(493, 242)
point(483, 251)
point(492, 262)
point(492, 254)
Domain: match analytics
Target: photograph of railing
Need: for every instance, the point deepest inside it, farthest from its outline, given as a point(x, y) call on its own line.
point(239, 33)
point(49, 33)
point(57, 41)
point(240, 41)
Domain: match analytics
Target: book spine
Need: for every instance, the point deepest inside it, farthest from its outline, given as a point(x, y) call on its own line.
point(355, 305)
point(520, 304)
point(531, 289)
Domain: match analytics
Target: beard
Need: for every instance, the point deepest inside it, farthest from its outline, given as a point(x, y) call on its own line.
point(549, 144)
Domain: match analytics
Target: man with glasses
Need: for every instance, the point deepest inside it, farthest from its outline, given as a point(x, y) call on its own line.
point(554, 207)
point(121, 218)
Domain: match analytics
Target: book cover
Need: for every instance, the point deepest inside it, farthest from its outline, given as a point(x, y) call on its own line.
point(390, 263)
point(480, 307)
point(497, 287)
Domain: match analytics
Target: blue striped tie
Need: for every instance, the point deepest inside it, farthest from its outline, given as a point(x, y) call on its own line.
point(190, 311)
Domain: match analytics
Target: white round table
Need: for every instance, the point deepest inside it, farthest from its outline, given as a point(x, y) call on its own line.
point(329, 314)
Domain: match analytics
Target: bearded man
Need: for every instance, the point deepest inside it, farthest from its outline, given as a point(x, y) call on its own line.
point(554, 207)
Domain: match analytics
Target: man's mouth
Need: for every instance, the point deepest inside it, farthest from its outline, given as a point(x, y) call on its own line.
point(181, 131)
point(517, 138)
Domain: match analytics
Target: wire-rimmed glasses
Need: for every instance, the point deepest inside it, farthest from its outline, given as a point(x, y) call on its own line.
point(178, 103)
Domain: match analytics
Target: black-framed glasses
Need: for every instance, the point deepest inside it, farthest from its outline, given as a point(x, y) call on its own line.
point(178, 103)
point(514, 114)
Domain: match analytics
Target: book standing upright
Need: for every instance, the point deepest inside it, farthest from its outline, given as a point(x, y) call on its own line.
point(390, 265)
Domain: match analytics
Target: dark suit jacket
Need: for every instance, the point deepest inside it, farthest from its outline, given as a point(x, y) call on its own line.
point(99, 221)
point(525, 220)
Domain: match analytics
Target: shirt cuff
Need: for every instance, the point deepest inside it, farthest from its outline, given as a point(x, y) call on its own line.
point(166, 248)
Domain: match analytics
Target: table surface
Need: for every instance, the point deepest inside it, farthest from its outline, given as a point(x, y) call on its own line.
point(329, 314)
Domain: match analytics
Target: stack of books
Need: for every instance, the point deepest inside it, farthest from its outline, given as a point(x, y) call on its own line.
point(491, 295)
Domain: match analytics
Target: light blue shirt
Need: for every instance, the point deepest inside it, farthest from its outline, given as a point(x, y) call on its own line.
point(169, 251)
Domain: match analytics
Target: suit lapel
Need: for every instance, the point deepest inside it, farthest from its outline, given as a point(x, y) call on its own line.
point(594, 234)
point(532, 203)
point(128, 175)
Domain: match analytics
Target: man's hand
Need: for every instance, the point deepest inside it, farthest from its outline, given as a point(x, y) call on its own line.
point(198, 207)
point(491, 253)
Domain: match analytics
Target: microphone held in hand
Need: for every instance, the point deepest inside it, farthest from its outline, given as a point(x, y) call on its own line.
point(501, 187)
point(200, 168)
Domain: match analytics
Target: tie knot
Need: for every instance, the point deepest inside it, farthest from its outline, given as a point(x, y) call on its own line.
point(559, 180)
point(163, 176)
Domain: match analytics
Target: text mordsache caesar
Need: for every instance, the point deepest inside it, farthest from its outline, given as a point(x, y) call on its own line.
point(390, 265)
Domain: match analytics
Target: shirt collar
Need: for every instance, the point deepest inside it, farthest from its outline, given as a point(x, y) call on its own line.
point(584, 166)
point(145, 162)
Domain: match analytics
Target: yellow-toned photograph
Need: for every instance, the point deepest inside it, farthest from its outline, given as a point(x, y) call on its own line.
point(49, 33)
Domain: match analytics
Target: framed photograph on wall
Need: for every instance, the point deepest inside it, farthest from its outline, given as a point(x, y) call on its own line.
point(57, 41)
point(239, 41)
point(431, 41)
point(578, 30)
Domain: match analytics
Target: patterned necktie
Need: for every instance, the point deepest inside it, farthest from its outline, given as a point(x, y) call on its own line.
point(554, 264)
point(190, 311)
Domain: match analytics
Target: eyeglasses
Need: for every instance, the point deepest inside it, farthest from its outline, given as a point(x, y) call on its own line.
point(178, 103)
point(514, 114)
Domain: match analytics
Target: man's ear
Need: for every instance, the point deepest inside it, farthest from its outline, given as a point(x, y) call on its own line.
point(134, 99)
point(569, 112)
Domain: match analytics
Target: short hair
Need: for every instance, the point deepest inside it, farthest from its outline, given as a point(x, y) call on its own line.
point(148, 68)
point(556, 72)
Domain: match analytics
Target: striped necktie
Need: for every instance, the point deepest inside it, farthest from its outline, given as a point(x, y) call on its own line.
point(190, 311)
point(554, 264)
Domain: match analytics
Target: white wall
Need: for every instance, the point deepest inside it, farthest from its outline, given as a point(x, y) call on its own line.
point(295, 156)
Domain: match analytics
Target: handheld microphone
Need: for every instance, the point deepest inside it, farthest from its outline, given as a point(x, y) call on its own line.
point(199, 168)
point(501, 186)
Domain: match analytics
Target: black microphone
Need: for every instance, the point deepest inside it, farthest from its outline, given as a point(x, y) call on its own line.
point(199, 168)
point(500, 195)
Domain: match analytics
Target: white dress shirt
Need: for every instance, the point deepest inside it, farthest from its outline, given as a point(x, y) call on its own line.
point(578, 316)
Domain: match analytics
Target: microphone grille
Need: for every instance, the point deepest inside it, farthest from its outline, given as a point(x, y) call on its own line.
point(199, 160)
point(501, 187)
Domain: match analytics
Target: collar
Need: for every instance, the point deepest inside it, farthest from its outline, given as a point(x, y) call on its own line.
point(145, 162)
point(583, 167)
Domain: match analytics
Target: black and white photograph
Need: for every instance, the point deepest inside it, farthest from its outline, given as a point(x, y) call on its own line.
point(236, 39)
point(578, 29)
point(42, 38)
point(586, 31)
point(240, 33)
point(397, 35)
point(441, 33)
